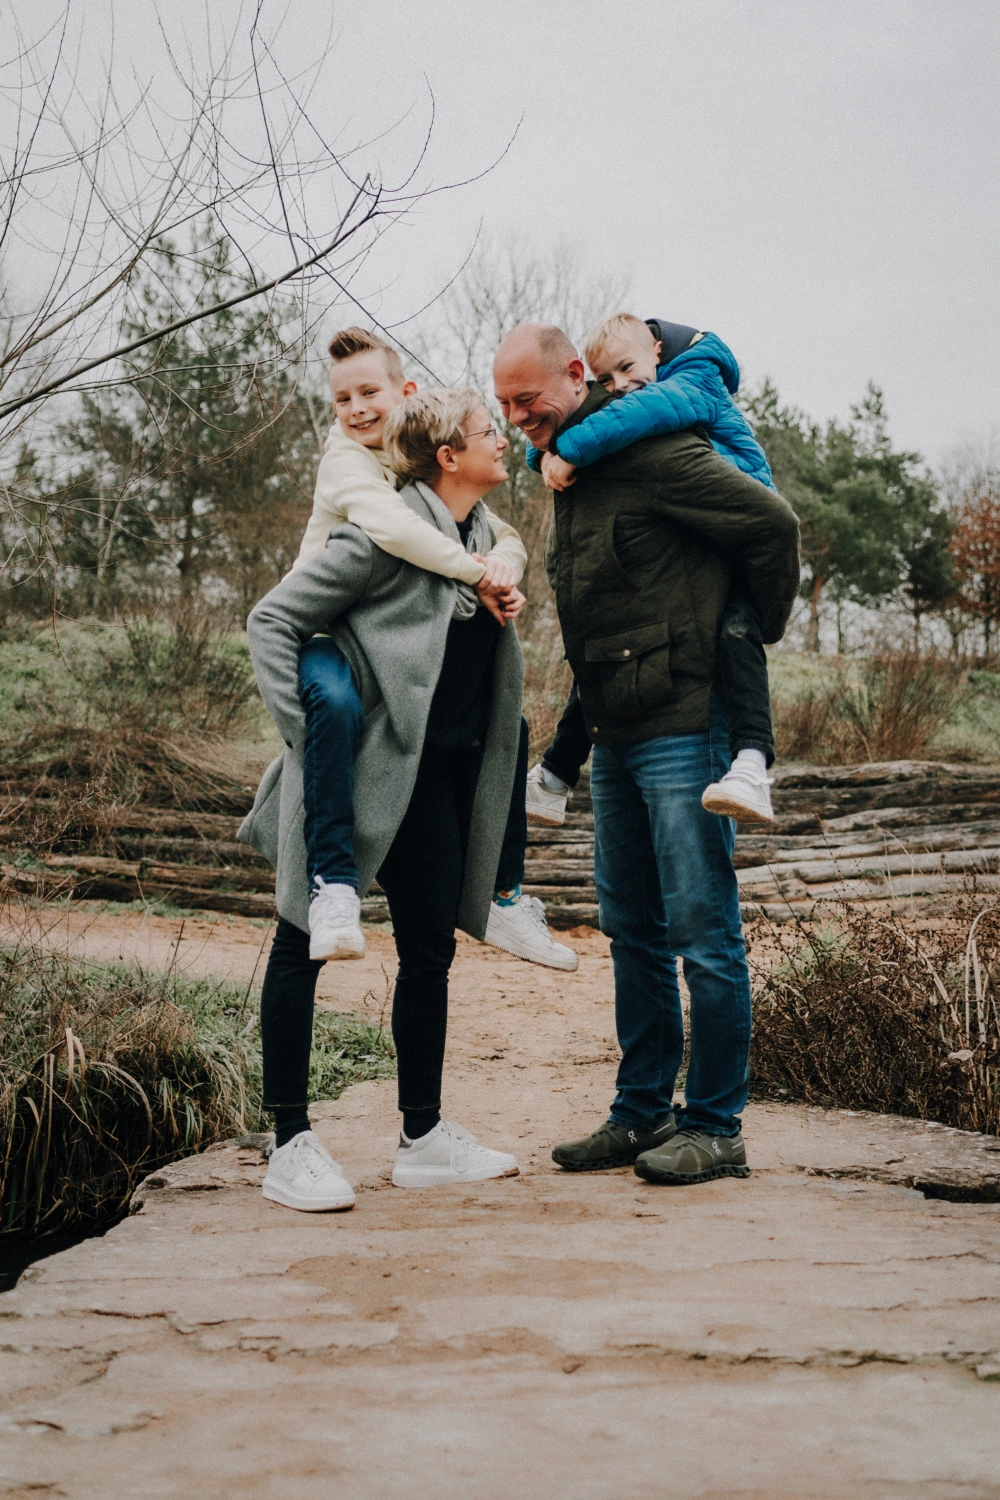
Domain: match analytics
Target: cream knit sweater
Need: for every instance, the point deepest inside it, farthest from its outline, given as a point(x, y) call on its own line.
point(356, 484)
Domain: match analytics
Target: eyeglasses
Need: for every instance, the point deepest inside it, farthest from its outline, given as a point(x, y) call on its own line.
point(486, 432)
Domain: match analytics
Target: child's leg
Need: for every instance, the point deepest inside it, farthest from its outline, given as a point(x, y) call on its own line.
point(742, 667)
point(510, 871)
point(334, 721)
point(517, 923)
point(571, 744)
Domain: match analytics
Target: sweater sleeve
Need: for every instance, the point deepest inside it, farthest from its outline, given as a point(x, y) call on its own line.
point(683, 400)
point(746, 520)
point(350, 487)
point(507, 543)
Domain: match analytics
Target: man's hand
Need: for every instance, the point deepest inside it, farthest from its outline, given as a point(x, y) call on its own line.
point(557, 474)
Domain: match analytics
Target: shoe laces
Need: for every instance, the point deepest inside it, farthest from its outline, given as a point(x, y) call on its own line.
point(339, 897)
point(311, 1156)
point(460, 1140)
point(534, 909)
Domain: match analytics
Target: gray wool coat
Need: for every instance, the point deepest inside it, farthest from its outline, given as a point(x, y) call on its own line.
point(391, 621)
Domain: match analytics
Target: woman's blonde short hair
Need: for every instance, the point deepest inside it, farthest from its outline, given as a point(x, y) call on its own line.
point(617, 326)
point(422, 424)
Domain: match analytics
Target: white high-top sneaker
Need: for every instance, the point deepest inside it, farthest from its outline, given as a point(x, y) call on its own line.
point(448, 1154)
point(335, 922)
point(739, 795)
point(521, 929)
point(302, 1174)
point(542, 804)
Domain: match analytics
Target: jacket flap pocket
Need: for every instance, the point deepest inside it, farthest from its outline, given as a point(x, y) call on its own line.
point(628, 643)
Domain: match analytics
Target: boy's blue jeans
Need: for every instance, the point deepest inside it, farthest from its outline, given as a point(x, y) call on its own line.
point(667, 889)
point(334, 721)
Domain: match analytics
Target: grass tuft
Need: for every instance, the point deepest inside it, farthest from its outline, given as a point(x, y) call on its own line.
point(869, 1013)
point(109, 1072)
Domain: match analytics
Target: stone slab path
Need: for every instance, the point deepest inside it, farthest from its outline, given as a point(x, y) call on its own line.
point(823, 1329)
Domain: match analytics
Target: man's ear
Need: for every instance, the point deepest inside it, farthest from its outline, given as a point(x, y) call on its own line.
point(446, 459)
point(576, 370)
point(410, 388)
point(658, 349)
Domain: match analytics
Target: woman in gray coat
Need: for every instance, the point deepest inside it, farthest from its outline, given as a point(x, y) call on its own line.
point(440, 683)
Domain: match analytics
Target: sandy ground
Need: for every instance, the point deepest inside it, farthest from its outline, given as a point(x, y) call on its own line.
point(821, 1329)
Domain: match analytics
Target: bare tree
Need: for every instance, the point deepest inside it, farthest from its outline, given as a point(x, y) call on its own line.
point(95, 179)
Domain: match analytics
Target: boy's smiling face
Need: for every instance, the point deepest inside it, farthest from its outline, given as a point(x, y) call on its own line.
point(364, 393)
point(627, 362)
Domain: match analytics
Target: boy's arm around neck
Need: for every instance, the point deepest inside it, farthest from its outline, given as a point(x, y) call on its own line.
point(507, 543)
point(750, 523)
point(350, 486)
point(305, 601)
point(687, 399)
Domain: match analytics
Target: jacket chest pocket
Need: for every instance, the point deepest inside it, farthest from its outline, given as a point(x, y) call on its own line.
point(632, 669)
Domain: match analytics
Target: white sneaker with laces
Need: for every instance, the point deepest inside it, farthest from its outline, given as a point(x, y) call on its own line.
point(335, 922)
point(521, 929)
point(542, 804)
point(741, 796)
point(302, 1174)
point(448, 1154)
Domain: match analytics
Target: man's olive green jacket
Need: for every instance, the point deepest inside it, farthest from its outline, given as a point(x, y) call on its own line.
point(641, 553)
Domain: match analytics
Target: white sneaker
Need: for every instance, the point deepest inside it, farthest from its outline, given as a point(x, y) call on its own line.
point(303, 1174)
point(541, 803)
point(521, 929)
point(335, 922)
point(745, 798)
point(448, 1154)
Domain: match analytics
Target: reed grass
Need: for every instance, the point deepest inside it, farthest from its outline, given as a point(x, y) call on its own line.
point(871, 1012)
point(108, 1072)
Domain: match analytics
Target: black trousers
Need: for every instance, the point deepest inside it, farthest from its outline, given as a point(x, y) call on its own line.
point(741, 663)
point(422, 879)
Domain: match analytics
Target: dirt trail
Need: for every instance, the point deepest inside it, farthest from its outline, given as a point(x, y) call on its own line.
point(820, 1330)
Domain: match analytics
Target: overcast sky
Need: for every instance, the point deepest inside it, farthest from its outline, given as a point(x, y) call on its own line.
point(814, 180)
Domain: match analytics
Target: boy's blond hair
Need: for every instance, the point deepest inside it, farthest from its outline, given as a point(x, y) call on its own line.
point(356, 340)
point(617, 326)
point(421, 425)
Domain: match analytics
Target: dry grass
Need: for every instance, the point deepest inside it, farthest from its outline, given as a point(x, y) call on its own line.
point(888, 706)
point(108, 1072)
point(868, 1013)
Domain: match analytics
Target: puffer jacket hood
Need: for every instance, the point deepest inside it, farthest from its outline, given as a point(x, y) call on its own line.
point(709, 347)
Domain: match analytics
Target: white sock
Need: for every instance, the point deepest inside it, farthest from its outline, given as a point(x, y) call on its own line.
point(753, 763)
point(553, 782)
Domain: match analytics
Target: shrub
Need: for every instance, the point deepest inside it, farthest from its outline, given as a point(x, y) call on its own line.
point(888, 706)
point(109, 1072)
point(870, 1015)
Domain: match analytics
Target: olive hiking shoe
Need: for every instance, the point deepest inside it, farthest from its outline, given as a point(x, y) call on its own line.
point(692, 1155)
point(611, 1146)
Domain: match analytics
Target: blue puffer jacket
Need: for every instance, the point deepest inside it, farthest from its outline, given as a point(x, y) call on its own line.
point(695, 389)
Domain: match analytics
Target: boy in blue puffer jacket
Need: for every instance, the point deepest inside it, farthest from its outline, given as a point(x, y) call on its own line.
point(669, 378)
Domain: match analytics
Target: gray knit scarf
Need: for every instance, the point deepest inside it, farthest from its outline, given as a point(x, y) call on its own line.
point(480, 540)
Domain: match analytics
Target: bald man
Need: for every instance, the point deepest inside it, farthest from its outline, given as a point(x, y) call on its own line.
point(640, 555)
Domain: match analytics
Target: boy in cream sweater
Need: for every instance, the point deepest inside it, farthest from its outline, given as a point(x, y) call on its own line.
point(354, 483)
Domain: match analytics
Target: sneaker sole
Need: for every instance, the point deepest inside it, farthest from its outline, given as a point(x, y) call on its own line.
point(508, 946)
point(337, 953)
point(550, 820)
point(420, 1179)
point(678, 1179)
point(307, 1205)
point(605, 1164)
point(725, 807)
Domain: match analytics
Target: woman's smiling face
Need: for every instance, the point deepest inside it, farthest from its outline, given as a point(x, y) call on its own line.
point(480, 463)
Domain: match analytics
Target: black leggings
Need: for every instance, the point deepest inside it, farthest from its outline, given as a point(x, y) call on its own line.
point(422, 879)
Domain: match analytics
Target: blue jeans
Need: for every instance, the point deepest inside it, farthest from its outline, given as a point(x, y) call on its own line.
point(667, 888)
point(334, 721)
